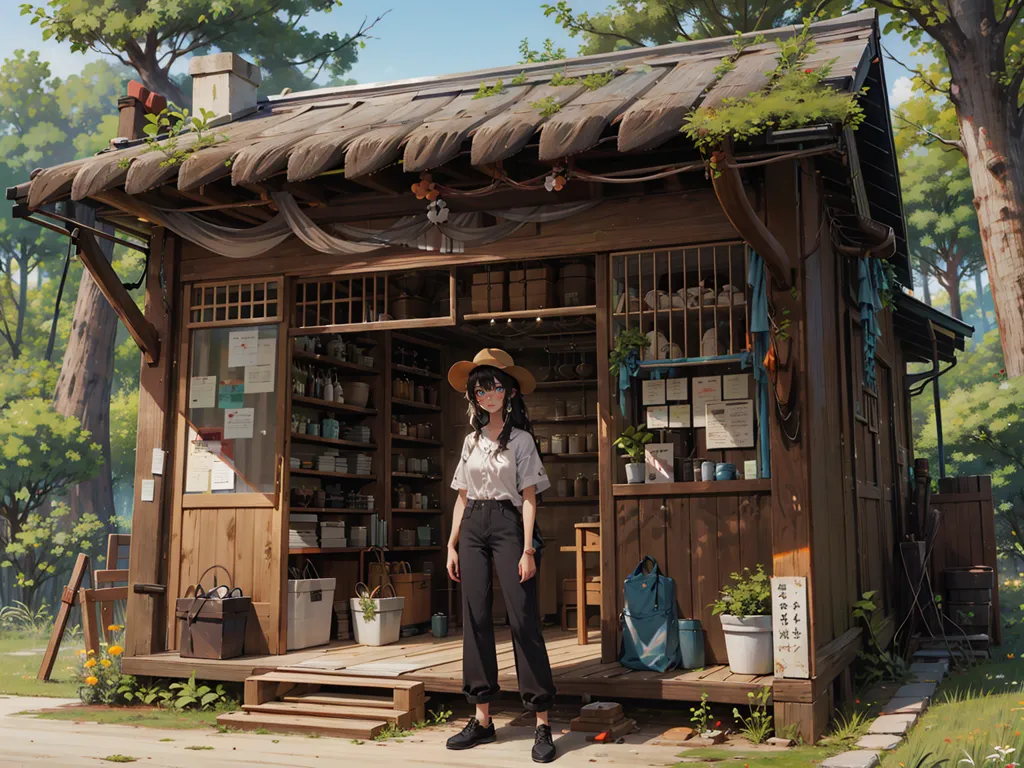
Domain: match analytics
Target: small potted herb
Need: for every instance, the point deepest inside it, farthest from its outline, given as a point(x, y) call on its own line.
point(631, 442)
point(745, 607)
point(628, 341)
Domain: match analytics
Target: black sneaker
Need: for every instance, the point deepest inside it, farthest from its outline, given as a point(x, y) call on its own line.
point(473, 734)
point(543, 746)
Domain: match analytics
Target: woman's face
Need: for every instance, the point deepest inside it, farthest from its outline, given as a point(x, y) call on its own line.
point(491, 400)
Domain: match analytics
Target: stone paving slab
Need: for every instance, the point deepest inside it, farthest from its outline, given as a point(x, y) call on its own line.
point(892, 724)
point(931, 654)
point(928, 673)
point(910, 705)
point(858, 758)
point(879, 741)
point(917, 690)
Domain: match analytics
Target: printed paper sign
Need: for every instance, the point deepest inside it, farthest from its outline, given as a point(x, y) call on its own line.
point(158, 461)
point(231, 394)
point(197, 481)
point(789, 627)
point(730, 424)
point(706, 389)
point(678, 416)
point(677, 389)
point(658, 463)
point(657, 417)
point(736, 386)
point(243, 348)
point(258, 378)
point(222, 476)
point(266, 352)
point(238, 423)
point(148, 490)
point(201, 391)
point(654, 392)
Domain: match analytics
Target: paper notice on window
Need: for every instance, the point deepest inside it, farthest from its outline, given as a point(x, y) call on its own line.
point(678, 416)
point(243, 348)
point(197, 481)
point(654, 392)
point(736, 386)
point(201, 391)
point(658, 463)
point(706, 389)
point(677, 389)
point(231, 394)
point(238, 423)
point(657, 417)
point(148, 490)
point(259, 378)
point(222, 476)
point(730, 424)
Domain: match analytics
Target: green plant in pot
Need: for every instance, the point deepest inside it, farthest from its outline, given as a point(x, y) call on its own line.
point(628, 341)
point(745, 608)
point(631, 442)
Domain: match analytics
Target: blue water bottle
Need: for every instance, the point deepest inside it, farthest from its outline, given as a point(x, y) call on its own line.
point(691, 643)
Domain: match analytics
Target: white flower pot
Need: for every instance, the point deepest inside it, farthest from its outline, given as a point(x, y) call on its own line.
point(635, 473)
point(748, 643)
point(386, 625)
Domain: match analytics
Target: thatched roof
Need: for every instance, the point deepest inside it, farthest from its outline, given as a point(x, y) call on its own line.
point(426, 122)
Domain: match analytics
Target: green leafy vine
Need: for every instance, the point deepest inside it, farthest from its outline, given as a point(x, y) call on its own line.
point(165, 129)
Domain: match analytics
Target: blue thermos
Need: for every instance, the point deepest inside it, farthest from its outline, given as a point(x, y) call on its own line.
point(691, 643)
point(439, 625)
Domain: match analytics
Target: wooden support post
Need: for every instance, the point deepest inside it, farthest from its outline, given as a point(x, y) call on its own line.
point(581, 589)
point(141, 330)
point(605, 466)
point(146, 613)
point(90, 634)
point(68, 599)
point(810, 720)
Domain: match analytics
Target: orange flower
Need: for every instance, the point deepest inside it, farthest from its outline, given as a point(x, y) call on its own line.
point(1009, 655)
point(115, 650)
point(424, 187)
point(105, 663)
point(90, 663)
point(91, 680)
point(949, 741)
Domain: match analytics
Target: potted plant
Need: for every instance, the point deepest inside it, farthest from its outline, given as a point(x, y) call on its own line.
point(377, 620)
point(628, 341)
point(745, 607)
point(631, 443)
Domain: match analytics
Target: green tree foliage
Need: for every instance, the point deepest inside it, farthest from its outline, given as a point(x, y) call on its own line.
point(41, 453)
point(150, 36)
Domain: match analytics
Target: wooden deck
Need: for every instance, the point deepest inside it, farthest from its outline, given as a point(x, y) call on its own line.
point(438, 664)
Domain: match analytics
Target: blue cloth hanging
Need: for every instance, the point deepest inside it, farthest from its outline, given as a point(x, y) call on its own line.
point(871, 280)
point(757, 278)
point(628, 368)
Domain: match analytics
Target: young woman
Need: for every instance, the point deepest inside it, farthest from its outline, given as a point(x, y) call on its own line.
point(498, 479)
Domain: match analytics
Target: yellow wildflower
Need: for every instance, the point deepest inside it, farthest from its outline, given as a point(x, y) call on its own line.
point(115, 650)
point(115, 628)
point(81, 652)
point(92, 652)
point(105, 663)
point(91, 680)
point(90, 663)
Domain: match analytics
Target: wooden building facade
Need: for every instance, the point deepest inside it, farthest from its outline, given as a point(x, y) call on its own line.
point(299, 225)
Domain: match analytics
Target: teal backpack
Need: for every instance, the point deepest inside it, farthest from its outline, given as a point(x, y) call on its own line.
point(650, 628)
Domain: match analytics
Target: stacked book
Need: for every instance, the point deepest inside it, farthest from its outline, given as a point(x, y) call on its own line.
point(363, 464)
point(605, 720)
point(302, 531)
point(332, 533)
point(341, 608)
point(357, 434)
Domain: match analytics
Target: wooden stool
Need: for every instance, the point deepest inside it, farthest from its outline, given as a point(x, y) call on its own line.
point(593, 591)
point(588, 539)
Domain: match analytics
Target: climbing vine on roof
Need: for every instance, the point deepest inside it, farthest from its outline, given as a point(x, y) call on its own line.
point(797, 96)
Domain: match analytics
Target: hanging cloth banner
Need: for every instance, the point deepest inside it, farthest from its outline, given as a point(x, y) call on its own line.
point(870, 280)
point(757, 279)
point(235, 243)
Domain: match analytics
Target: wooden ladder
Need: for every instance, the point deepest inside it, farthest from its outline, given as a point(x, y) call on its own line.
point(296, 700)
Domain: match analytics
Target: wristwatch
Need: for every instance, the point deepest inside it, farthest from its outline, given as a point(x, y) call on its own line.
point(529, 551)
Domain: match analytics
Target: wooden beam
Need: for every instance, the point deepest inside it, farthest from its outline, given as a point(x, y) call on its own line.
point(67, 600)
point(606, 466)
point(146, 625)
point(141, 330)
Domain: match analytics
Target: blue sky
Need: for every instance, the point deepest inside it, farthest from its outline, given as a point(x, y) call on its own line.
point(416, 39)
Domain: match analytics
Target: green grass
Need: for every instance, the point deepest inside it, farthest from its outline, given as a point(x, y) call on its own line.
point(146, 717)
point(754, 757)
point(18, 673)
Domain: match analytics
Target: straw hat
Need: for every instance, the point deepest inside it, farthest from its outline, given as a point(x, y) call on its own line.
point(458, 374)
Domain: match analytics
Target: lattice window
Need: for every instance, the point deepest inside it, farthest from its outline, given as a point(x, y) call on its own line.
point(240, 302)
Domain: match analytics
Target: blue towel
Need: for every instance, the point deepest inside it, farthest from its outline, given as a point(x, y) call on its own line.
point(757, 279)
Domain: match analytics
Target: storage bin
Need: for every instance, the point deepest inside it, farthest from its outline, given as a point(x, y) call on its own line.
point(211, 625)
point(386, 625)
point(309, 612)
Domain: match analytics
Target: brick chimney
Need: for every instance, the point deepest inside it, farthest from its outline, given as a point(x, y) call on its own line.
point(132, 109)
point(223, 83)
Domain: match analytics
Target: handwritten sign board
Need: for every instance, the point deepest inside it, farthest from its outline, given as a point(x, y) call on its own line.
point(790, 634)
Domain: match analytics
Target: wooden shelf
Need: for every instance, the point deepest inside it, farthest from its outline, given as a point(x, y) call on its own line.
point(569, 456)
point(297, 438)
point(408, 369)
point(530, 314)
point(430, 548)
point(362, 341)
point(327, 405)
point(568, 384)
point(414, 405)
point(411, 511)
point(415, 476)
point(679, 311)
point(330, 511)
point(338, 475)
point(718, 487)
point(324, 550)
point(557, 501)
point(333, 362)
point(417, 440)
point(565, 420)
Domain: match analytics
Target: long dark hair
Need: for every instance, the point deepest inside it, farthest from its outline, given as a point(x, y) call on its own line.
point(487, 378)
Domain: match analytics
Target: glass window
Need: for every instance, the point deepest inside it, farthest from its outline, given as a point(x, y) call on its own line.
point(232, 410)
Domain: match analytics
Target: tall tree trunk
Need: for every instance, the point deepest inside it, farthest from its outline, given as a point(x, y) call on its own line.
point(992, 145)
point(979, 292)
point(926, 288)
point(159, 81)
point(83, 388)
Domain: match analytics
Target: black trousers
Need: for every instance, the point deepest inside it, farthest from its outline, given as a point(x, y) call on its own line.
point(492, 531)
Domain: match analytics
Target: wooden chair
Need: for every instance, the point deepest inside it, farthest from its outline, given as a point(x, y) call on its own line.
point(109, 585)
point(588, 539)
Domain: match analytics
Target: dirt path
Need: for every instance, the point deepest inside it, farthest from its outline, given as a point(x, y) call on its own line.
point(29, 741)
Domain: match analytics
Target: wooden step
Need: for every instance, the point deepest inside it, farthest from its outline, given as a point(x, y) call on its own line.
point(404, 719)
point(324, 726)
point(326, 677)
point(407, 696)
point(341, 699)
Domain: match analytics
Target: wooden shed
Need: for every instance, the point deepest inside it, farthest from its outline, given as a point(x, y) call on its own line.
point(291, 254)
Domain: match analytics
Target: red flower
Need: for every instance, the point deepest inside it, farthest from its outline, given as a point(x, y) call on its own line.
point(718, 723)
point(808, 71)
point(949, 741)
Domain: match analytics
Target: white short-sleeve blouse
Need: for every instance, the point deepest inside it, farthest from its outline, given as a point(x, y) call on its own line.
point(487, 475)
